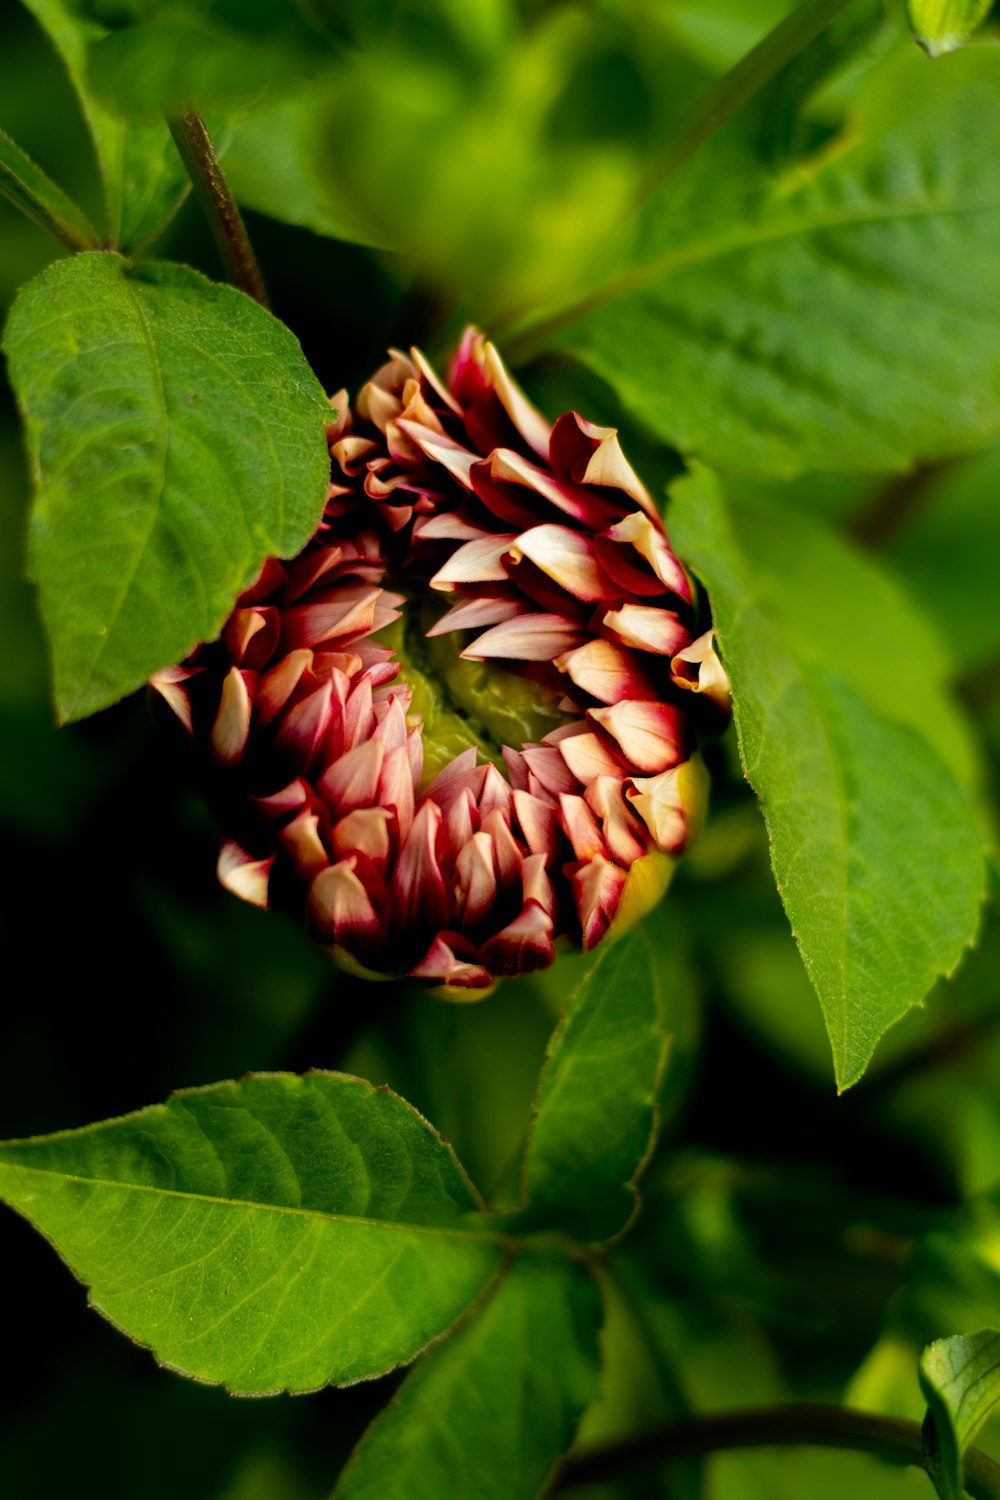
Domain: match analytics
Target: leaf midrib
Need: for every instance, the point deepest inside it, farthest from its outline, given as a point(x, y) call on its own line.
point(490, 1237)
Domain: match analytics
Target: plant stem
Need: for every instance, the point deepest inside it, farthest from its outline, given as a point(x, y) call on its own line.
point(735, 88)
point(198, 155)
point(812, 1425)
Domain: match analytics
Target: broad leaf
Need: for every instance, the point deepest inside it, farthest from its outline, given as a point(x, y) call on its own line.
point(144, 179)
point(942, 25)
point(282, 1233)
point(840, 318)
point(37, 195)
point(874, 844)
point(488, 1414)
point(176, 437)
point(960, 1377)
point(595, 1115)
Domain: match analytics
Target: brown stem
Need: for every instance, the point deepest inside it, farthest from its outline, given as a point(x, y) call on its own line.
point(198, 155)
point(810, 1424)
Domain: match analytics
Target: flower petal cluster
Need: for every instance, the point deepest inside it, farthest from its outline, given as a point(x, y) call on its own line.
point(359, 779)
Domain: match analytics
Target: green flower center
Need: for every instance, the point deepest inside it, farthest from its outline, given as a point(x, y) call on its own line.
point(465, 703)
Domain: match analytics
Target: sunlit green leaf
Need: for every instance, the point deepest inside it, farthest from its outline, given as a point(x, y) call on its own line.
point(841, 317)
point(144, 179)
point(282, 1233)
point(176, 437)
point(595, 1114)
point(37, 195)
point(488, 1414)
point(874, 844)
point(960, 1377)
point(942, 25)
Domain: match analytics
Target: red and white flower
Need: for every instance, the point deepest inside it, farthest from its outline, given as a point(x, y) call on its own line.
point(536, 552)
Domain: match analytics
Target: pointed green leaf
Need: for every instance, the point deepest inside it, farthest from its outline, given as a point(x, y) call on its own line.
point(176, 435)
point(37, 195)
point(488, 1414)
point(960, 1378)
point(595, 1114)
point(941, 26)
point(144, 178)
point(874, 844)
point(282, 1233)
point(839, 318)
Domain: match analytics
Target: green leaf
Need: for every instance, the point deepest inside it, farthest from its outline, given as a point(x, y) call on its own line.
point(281, 1233)
point(144, 178)
point(874, 845)
point(841, 317)
point(941, 26)
point(960, 1377)
point(595, 1114)
point(176, 437)
point(37, 195)
point(487, 1415)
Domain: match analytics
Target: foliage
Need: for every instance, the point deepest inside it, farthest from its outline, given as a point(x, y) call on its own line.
point(777, 277)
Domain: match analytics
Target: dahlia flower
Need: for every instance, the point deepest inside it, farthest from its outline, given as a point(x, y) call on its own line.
point(459, 725)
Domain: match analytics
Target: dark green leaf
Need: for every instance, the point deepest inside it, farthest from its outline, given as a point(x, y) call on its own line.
point(176, 436)
point(595, 1114)
point(874, 844)
point(941, 26)
point(960, 1377)
point(36, 195)
point(282, 1233)
point(488, 1414)
point(158, 69)
point(144, 180)
point(842, 317)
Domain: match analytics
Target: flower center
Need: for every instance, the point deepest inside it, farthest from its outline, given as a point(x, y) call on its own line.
point(465, 703)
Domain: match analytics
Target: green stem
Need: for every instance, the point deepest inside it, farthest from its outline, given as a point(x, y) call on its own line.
point(812, 1425)
point(198, 154)
point(737, 87)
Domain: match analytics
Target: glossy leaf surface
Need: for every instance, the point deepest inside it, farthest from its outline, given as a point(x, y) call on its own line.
point(488, 1414)
point(144, 179)
point(874, 844)
point(282, 1233)
point(176, 436)
point(840, 318)
point(960, 1377)
point(595, 1113)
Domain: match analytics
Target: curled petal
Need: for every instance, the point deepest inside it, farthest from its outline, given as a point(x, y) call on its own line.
point(523, 946)
point(352, 781)
point(582, 828)
point(243, 874)
point(276, 687)
point(476, 878)
point(170, 685)
point(417, 886)
point(699, 669)
point(364, 831)
point(475, 562)
point(647, 537)
point(589, 454)
point(441, 965)
point(625, 834)
point(474, 614)
point(606, 671)
point(587, 757)
point(300, 841)
point(534, 637)
point(597, 888)
point(232, 721)
point(568, 558)
point(340, 909)
point(441, 449)
point(647, 628)
point(649, 733)
point(672, 805)
point(251, 635)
